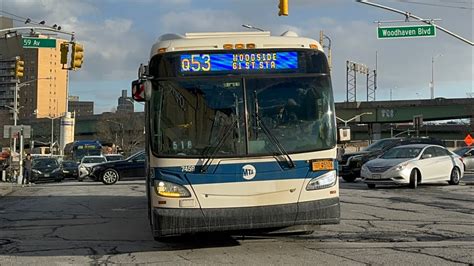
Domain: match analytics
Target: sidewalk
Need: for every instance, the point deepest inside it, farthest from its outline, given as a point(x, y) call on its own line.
point(6, 188)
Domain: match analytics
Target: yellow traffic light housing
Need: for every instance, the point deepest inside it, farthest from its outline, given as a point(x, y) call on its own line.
point(283, 6)
point(19, 68)
point(64, 52)
point(77, 55)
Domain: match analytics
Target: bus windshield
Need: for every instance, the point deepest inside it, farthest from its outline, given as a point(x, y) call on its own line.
point(191, 117)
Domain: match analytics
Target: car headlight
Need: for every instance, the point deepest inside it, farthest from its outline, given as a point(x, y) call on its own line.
point(364, 169)
point(56, 170)
point(401, 166)
point(172, 190)
point(36, 171)
point(324, 181)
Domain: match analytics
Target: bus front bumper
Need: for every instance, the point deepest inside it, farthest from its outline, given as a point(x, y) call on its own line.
point(169, 222)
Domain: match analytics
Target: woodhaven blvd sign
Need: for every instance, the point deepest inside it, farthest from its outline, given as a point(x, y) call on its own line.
point(406, 31)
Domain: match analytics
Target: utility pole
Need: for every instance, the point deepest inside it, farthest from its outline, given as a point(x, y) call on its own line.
point(321, 41)
point(432, 75)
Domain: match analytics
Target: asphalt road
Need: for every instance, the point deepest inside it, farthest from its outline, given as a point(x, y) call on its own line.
point(89, 223)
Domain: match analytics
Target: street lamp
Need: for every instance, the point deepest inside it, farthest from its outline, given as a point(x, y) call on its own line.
point(121, 127)
point(432, 74)
point(132, 101)
point(252, 27)
point(323, 36)
point(353, 118)
point(52, 132)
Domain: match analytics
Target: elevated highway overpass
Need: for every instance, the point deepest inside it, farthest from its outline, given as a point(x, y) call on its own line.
point(404, 111)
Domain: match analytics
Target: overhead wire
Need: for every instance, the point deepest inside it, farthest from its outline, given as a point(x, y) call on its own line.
point(433, 4)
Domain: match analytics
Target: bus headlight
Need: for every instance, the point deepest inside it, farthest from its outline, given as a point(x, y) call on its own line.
point(172, 190)
point(324, 181)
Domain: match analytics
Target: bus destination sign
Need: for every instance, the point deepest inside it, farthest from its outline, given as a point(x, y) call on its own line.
point(239, 62)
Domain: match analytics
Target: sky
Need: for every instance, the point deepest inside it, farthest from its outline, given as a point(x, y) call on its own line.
point(118, 35)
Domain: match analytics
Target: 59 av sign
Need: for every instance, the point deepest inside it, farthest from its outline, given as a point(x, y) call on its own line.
point(406, 31)
point(38, 43)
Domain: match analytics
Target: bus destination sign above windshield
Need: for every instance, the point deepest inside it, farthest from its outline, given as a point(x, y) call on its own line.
point(239, 62)
point(406, 31)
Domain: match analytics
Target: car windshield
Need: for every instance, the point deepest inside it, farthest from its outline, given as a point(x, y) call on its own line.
point(114, 157)
point(93, 160)
point(461, 151)
point(69, 164)
point(380, 144)
point(191, 117)
point(43, 163)
point(400, 153)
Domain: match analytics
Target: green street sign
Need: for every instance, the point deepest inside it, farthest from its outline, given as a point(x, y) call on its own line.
point(38, 43)
point(406, 31)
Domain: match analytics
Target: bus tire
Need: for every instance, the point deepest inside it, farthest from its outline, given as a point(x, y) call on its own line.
point(110, 177)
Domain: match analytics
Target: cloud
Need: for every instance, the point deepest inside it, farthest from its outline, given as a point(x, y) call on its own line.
point(199, 20)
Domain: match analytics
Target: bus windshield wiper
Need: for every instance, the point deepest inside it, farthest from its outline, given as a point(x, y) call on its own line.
point(211, 151)
point(270, 135)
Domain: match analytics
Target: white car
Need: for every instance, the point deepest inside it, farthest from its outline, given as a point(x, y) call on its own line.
point(87, 162)
point(413, 164)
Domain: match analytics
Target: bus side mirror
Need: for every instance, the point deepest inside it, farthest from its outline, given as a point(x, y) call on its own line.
point(141, 90)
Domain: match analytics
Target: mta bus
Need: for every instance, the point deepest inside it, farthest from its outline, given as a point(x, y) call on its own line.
point(240, 133)
point(80, 148)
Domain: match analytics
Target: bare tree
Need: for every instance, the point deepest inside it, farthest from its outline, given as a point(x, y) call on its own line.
point(124, 129)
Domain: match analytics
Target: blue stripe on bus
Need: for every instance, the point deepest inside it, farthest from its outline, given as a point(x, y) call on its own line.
point(231, 173)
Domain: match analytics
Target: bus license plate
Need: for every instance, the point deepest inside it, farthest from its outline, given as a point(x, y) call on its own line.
point(322, 165)
point(376, 176)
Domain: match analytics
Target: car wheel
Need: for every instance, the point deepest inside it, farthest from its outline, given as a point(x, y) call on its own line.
point(110, 177)
point(414, 178)
point(371, 186)
point(349, 178)
point(455, 176)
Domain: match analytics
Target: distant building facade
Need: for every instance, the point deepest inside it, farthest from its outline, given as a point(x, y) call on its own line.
point(80, 108)
point(125, 103)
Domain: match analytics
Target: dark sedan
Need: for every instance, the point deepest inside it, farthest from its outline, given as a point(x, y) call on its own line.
point(46, 169)
point(110, 172)
point(70, 169)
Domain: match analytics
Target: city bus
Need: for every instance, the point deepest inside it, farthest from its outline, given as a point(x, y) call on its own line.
point(80, 148)
point(240, 134)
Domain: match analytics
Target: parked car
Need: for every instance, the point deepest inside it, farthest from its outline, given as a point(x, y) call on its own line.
point(351, 163)
point(109, 173)
point(46, 168)
point(467, 154)
point(70, 169)
point(86, 164)
point(114, 157)
point(413, 164)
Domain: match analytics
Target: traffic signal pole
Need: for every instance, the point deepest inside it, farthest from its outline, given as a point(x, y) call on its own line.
point(410, 15)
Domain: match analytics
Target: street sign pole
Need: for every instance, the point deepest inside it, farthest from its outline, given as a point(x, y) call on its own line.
point(15, 112)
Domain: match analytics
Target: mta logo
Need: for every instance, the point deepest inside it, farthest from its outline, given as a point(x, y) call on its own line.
point(248, 172)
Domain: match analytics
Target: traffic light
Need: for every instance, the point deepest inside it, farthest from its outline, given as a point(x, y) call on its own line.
point(64, 52)
point(283, 6)
point(19, 68)
point(77, 55)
